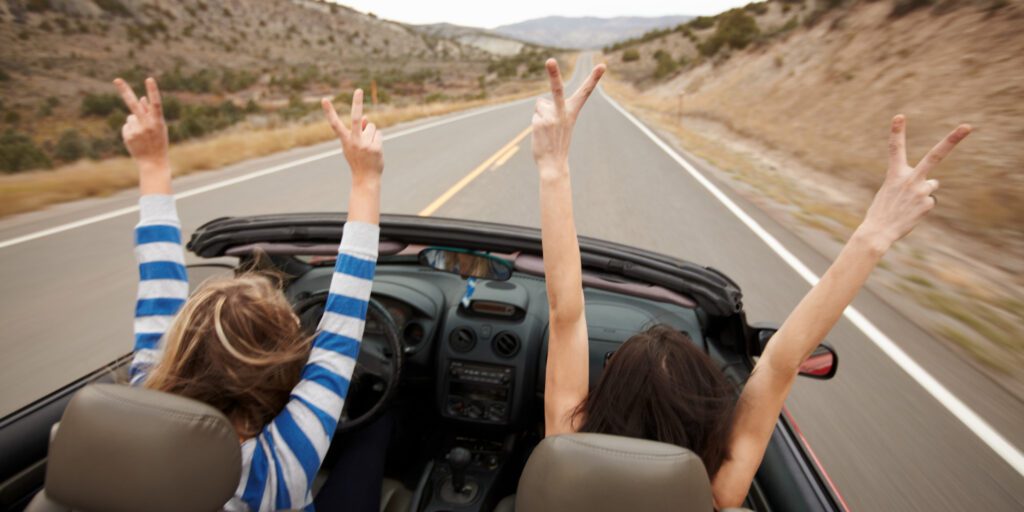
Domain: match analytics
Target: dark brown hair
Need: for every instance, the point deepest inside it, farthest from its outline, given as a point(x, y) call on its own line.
point(661, 386)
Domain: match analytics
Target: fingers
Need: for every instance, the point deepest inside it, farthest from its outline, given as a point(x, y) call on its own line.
point(332, 119)
point(898, 142)
point(153, 95)
point(931, 186)
point(557, 88)
point(369, 130)
point(357, 111)
point(581, 95)
point(365, 121)
point(128, 96)
point(144, 105)
point(378, 141)
point(942, 149)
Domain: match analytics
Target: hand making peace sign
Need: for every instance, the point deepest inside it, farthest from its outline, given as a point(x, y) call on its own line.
point(907, 194)
point(554, 119)
point(145, 135)
point(362, 142)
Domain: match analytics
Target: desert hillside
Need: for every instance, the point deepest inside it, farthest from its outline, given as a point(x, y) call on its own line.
point(814, 84)
point(585, 32)
point(221, 63)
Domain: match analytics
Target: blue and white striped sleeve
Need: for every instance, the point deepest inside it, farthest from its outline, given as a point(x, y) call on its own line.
point(163, 280)
point(282, 461)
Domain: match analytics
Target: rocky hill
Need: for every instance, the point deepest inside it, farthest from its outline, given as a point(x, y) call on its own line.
point(482, 39)
point(220, 62)
point(585, 32)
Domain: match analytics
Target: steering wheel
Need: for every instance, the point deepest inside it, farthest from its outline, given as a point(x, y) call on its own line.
point(378, 368)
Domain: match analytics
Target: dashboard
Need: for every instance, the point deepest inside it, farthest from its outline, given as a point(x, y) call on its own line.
point(487, 359)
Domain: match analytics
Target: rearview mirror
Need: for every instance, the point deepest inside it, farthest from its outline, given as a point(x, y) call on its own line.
point(821, 364)
point(466, 263)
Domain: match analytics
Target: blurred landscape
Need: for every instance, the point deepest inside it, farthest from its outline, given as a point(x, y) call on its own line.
point(238, 78)
point(792, 100)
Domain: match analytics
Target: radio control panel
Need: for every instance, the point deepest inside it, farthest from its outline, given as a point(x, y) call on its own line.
point(479, 392)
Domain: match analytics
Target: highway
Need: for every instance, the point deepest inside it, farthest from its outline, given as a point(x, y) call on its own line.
point(888, 438)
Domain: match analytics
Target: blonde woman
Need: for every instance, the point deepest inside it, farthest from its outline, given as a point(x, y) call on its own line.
point(236, 344)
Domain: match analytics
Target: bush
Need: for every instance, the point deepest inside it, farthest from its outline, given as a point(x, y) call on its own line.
point(666, 65)
point(38, 5)
point(114, 7)
point(736, 29)
point(19, 153)
point(904, 7)
point(630, 55)
point(70, 147)
point(101, 105)
point(4, 76)
point(757, 7)
point(702, 22)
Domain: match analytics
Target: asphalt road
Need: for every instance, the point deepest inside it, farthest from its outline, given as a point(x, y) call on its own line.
point(67, 296)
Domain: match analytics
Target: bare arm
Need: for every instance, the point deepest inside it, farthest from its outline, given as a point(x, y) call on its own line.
point(567, 378)
point(904, 199)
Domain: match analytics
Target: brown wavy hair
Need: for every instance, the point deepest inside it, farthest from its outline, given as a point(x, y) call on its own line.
point(660, 385)
point(236, 345)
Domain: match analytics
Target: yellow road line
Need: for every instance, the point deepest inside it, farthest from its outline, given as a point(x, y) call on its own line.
point(504, 158)
point(467, 179)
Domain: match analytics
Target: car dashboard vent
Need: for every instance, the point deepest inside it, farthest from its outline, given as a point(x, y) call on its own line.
point(505, 344)
point(462, 339)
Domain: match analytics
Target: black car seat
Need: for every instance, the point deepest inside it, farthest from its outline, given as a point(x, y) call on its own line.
point(602, 473)
point(127, 449)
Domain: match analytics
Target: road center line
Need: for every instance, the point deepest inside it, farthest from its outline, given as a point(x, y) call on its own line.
point(505, 158)
point(467, 179)
point(246, 177)
point(954, 405)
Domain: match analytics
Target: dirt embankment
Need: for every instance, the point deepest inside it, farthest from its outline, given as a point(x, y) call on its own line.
point(799, 120)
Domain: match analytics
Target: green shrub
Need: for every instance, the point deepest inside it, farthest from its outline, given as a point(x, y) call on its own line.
point(630, 55)
point(114, 7)
point(101, 105)
point(904, 7)
point(702, 22)
point(736, 29)
point(12, 117)
point(38, 5)
point(757, 7)
point(666, 65)
point(4, 76)
point(19, 153)
point(70, 147)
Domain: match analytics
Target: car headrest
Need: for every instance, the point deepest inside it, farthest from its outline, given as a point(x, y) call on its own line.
point(120, 448)
point(597, 473)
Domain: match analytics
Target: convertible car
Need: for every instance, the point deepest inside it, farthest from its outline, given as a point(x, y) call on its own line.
point(455, 350)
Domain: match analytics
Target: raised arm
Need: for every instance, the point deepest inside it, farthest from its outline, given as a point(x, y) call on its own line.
point(904, 199)
point(163, 281)
point(296, 441)
point(567, 378)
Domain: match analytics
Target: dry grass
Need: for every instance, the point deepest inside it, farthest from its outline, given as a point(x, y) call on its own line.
point(34, 190)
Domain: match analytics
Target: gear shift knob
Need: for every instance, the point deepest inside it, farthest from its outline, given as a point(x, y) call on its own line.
point(459, 459)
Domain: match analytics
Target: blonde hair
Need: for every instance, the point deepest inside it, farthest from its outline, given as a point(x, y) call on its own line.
point(236, 345)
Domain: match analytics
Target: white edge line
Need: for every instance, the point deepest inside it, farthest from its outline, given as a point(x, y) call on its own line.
point(246, 177)
point(954, 405)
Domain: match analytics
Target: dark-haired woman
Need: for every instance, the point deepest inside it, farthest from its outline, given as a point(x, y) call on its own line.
point(659, 385)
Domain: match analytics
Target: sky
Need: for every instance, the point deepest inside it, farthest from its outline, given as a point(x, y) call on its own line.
point(489, 14)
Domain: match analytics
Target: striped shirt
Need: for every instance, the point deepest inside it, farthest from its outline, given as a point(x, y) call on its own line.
point(279, 464)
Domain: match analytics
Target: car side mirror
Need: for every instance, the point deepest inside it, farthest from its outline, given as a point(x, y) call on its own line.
point(821, 364)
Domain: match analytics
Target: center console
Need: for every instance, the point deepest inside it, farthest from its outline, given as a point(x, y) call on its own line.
point(478, 392)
